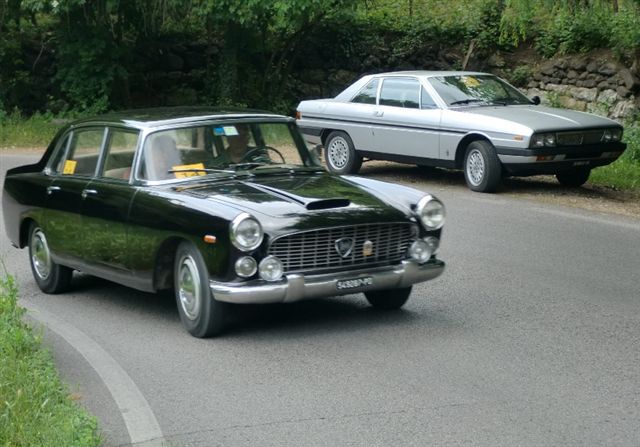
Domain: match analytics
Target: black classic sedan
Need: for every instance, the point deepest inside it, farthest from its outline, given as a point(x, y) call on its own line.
point(223, 207)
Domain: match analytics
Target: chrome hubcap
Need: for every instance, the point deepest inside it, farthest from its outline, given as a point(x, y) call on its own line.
point(40, 256)
point(475, 167)
point(338, 153)
point(189, 289)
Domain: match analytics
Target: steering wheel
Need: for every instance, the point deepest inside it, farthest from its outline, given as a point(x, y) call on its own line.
point(258, 150)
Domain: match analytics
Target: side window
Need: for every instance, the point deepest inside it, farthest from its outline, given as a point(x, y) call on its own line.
point(368, 93)
point(399, 92)
point(83, 154)
point(426, 101)
point(121, 148)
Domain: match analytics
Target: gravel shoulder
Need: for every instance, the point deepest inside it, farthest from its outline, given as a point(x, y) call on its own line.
point(541, 189)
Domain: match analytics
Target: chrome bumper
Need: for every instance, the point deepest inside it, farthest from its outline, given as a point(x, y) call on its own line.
point(296, 287)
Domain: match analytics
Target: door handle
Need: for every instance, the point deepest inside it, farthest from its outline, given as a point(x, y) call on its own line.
point(51, 189)
point(378, 113)
point(88, 192)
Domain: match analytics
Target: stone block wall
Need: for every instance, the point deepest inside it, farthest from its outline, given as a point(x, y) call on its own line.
point(589, 84)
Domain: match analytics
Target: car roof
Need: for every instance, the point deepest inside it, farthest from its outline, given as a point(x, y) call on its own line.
point(167, 116)
point(427, 73)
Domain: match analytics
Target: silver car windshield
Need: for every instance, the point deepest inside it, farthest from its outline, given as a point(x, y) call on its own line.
point(462, 90)
point(220, 148)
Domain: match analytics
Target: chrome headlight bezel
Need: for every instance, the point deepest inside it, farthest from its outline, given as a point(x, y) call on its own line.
point(425, 206)
point(239, 241)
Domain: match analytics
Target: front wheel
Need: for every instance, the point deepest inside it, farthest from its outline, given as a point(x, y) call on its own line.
point(50, 276)
point(388, 299)
point(201, 314)
point(574, 178)
point(340, 154)
point(482, 168)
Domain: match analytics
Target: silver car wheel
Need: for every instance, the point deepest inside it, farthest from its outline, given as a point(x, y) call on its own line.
point(338, 152)
point(189, 288)
point(40, 254)
point(475, 167)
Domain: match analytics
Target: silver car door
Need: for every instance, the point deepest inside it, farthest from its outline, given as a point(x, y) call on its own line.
point(406, 122)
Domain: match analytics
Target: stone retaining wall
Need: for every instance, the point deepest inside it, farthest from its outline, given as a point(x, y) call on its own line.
point(587, 84)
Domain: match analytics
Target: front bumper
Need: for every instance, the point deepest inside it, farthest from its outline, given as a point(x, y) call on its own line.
point(296, 287)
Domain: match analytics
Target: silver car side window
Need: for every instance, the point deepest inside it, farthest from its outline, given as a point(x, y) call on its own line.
point(367, 95)
point(426, 101)
point(400, 92)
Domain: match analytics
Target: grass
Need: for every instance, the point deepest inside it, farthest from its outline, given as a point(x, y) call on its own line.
point(36, 131)
point(624, 173)
point(35, 407)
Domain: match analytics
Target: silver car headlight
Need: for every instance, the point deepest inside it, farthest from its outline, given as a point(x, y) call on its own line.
point(431, 212)
point(246, 232)
point(616, 134)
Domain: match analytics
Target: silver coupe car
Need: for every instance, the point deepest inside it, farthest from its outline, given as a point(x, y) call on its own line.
point(463, 120)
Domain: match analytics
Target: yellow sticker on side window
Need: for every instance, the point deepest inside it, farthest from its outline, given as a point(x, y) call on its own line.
point(189, 170)
point(69, 167)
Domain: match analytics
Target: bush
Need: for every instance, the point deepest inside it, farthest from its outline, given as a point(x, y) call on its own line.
point(632, 137)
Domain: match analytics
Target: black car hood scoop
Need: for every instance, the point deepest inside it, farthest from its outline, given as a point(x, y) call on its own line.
point(308, 202)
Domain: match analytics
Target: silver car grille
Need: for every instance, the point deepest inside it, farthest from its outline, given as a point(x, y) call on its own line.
point(579, 138)
point(373, 244)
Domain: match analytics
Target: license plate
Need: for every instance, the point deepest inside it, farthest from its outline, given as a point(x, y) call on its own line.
point(354, 283)
point(580, 163)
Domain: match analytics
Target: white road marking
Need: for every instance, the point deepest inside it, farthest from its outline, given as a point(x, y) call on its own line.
point(141, 423)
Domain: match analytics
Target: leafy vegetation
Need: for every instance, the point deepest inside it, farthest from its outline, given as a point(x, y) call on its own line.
point(64, 56)
point(35, 407)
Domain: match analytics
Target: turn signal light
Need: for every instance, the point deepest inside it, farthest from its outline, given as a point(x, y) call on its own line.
point(298, 115)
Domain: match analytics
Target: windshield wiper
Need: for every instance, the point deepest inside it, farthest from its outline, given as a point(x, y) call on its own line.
point(246, 165)
point(207, 170)
point(466, 101)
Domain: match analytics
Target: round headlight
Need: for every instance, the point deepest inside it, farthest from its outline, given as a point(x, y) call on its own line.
point(246, 232)
point(246, 267)
point(607, 135)
point(420, 251)
point(550, 139)
point(431, 212)
point(270, 269)
point(433, 243)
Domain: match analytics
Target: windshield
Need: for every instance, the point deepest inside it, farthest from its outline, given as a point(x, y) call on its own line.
point(221, 148)
point(462, 90)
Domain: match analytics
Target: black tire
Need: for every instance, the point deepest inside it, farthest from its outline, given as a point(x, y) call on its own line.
point(574, 178)
point(201, 314)
point(340, 154)
point(50, 276)
point(482, 168)
point(388, 299)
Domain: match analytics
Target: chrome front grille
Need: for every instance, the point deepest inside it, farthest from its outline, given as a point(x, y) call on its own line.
point(373, 244)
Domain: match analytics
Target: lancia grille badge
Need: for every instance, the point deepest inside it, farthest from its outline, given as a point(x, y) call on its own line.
point(367, 248)
point(344, 245)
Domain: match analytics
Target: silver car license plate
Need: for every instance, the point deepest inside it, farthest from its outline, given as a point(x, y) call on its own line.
point(354, 283)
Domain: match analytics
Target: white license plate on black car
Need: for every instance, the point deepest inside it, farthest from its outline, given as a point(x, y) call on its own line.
point(354, 283)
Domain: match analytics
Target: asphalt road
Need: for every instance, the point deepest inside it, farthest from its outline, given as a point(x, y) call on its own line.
point(531, 338)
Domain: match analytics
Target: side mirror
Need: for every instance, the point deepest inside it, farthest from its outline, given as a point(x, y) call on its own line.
point(535, 100)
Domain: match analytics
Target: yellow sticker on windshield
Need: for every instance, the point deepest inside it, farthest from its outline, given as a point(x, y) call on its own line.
point(189, 170)
point(69, 167)
point(470, 81)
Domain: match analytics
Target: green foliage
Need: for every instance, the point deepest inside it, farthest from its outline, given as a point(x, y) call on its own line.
point(35, 131)
point(35, 408)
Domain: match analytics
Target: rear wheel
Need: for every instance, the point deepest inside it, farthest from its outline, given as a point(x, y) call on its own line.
point(388, 299)
point(340, 154)
point(201, 314)
point(482, 168)
point(50, 276)
point(574, 178)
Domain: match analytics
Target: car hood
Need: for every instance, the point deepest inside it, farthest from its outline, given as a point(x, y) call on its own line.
point(539, 118)
point(320, 199)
